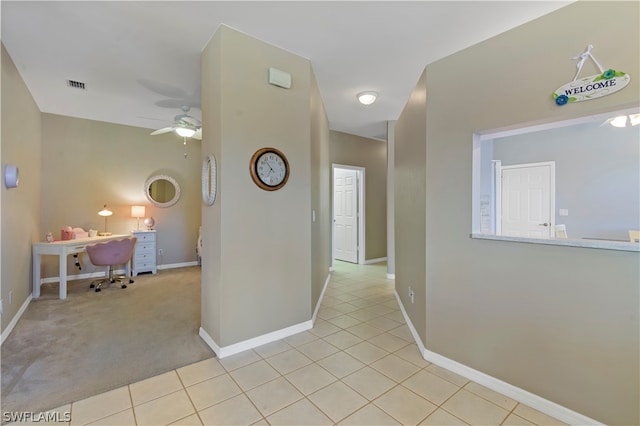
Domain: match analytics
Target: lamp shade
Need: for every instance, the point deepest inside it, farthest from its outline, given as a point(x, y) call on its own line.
point(105, 211)
point(137, 211)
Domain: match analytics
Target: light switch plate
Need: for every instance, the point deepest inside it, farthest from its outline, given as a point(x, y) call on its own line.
point(563, 212)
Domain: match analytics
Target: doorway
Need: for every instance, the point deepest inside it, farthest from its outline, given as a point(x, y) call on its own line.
point(526, 202)
point(348, 213)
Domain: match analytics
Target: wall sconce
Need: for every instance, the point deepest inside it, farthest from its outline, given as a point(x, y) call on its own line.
point(11, 176)
point(137, 212)
point(105, 212)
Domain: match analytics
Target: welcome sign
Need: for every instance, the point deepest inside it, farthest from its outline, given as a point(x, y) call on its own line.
point(592, 87)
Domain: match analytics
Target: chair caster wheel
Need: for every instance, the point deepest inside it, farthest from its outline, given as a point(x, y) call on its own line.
point(98, 290)
point(124, 286)
point(130, 281)
point(92, 286)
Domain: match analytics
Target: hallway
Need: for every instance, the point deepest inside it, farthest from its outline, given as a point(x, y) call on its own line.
point(357, 366)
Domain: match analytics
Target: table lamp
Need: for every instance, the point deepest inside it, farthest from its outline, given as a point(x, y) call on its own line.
point(137, 212)
point(105, 212)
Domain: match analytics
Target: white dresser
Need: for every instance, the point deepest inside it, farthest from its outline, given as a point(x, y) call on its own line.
point(144, 256)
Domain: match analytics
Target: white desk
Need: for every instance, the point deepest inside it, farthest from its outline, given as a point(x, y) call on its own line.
point(63, 249)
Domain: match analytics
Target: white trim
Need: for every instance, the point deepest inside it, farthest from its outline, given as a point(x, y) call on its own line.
point(178, 265)
point(7, 331)
point(372, 261)
point(116, 271)
point(412, 329)
point(361, 209)
point(391, 276)
point(324, 288)
point(223, 352)
point(532, 400)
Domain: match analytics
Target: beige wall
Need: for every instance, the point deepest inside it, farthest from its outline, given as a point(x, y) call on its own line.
point(261, 280)
point(410, 202)
point(21, 132)
point(352, 150)
point(561, 322)
point(90, 163)
point(320, 193)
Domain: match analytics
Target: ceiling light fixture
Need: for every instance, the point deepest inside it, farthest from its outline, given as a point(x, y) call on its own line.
point(367, 98)
point(185, 132)
point(621, 120)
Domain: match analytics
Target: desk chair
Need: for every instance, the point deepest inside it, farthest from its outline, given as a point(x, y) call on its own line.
point(111, 253)
point(634, 236)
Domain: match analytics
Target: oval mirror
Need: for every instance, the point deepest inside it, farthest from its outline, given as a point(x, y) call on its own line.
point(209, 180)
point(162, 190)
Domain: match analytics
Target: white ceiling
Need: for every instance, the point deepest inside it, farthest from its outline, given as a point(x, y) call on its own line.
point(141, 60)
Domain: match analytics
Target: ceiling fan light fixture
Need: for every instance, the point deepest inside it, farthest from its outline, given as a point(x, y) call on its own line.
point(185, 132)
point(367, 98)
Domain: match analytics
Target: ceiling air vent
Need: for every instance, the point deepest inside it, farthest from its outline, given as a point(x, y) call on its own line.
point(76, 84)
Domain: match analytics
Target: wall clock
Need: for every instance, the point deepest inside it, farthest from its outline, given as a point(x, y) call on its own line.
point(269, 169)
point(209, 179)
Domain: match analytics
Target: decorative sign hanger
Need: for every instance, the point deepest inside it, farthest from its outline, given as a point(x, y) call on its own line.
point(592, 87)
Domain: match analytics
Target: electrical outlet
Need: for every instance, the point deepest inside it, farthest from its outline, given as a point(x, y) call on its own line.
point(411, 295)
point(160, 252)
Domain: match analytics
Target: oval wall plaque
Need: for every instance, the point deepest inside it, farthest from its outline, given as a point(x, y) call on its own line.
point(592, 87)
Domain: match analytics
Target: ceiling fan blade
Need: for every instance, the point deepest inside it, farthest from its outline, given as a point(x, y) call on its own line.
point(161, 131)
point(198, 134)
point(190, 120)
point(178, 102)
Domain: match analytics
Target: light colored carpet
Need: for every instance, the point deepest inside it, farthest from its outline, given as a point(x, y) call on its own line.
point(66, 350)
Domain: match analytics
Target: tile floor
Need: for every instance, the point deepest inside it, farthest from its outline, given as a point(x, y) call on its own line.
point(357, 366)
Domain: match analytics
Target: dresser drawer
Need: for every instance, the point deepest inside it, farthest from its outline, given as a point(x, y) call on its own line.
point(145, 248)
point(145, 237)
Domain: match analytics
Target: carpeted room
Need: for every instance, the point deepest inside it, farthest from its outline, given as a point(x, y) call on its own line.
point(65, 350)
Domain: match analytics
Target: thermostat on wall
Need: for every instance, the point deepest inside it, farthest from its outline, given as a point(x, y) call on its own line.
point(279, 78)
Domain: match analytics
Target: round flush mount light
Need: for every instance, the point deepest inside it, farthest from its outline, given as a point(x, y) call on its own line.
point(367, 98)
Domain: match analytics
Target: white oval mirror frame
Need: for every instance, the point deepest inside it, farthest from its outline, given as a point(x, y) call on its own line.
point(209, 180)
point(150, 188)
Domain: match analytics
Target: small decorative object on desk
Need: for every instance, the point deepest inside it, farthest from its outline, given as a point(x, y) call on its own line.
point(50, 236)
point(149, 222)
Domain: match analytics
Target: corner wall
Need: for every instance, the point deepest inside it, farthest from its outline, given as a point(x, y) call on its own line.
point(560, 322)
point(21, 146)
point(258, 243)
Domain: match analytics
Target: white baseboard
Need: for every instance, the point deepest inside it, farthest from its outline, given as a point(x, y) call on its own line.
point(12, 324)
point(532, 400)
point(372, 261)
point(178, 265)
point(324, 288)
point(223, 352)
point(391, 276)
point(118, 272)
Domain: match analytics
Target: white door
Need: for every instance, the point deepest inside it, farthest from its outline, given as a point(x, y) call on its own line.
point(528, 191)
point(345, 215)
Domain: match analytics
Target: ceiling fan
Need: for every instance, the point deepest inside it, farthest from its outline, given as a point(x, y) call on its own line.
point(184, 125)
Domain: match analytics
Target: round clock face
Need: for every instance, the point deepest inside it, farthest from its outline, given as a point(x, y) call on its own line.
point(269, 169)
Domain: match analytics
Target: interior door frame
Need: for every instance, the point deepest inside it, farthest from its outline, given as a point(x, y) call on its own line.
point(552, 191)
point(361, 210)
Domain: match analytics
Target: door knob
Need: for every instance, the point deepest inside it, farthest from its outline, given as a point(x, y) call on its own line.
point(544, 224)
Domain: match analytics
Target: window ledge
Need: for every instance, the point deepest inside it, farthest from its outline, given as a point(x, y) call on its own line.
point(587, 243)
